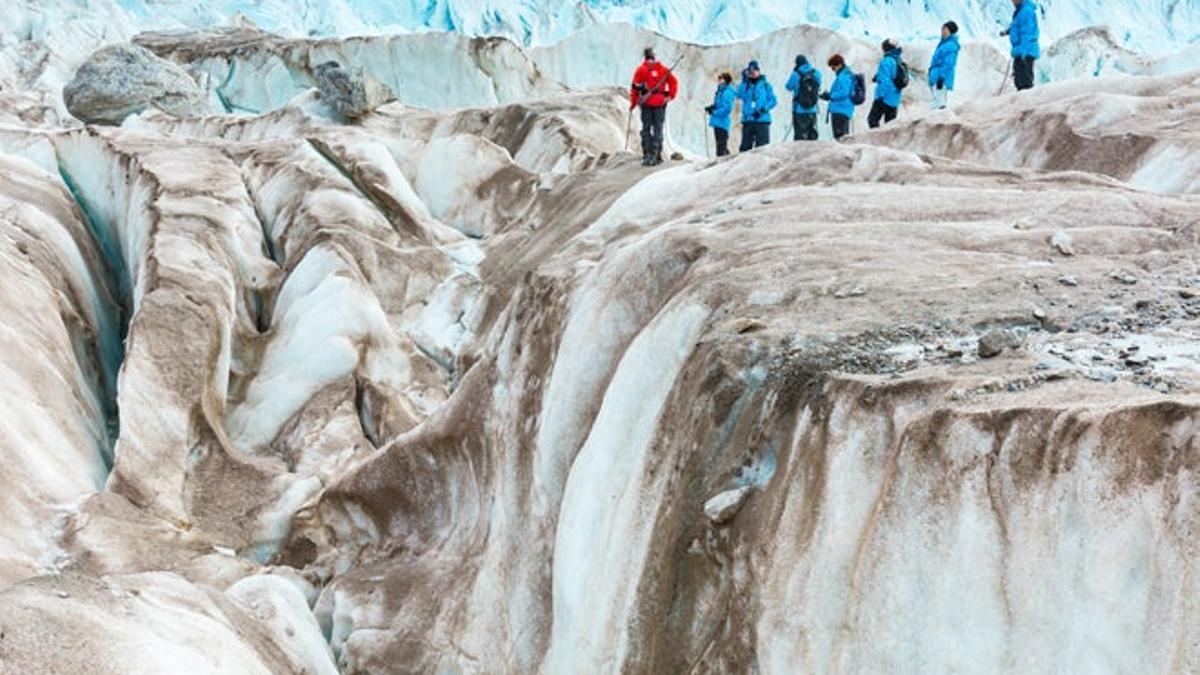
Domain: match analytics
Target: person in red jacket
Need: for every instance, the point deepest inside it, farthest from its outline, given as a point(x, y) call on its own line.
point(654, 86)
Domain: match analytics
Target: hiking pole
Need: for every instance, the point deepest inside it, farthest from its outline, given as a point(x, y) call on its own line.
point(704, 128)
point(1004, 82)
point(628, 129)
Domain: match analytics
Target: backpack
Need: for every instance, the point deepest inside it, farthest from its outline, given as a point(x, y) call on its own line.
point(858, 95)
point(808, 92)
point(901, 78)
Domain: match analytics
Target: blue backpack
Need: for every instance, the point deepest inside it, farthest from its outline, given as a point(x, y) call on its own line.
point(859, 95)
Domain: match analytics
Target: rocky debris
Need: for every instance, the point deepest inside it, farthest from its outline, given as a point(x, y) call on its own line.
point(1123, 278)
point(1068, 280)
point(723, 507)
point(850, 292)
point(995, 341)
point(1061, 242)
point(352, 92)
point(125, 79)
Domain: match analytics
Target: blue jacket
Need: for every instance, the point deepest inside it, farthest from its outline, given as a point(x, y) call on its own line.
point(722, 107)
point(885, 76)
point(839, 94)
point(793, 85)
point(945, 62)
point(1023, 33)
point(759, 95)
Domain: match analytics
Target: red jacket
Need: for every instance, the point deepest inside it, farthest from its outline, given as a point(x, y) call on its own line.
point(649, 75)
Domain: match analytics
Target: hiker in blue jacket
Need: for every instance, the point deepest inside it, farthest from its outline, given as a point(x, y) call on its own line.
point(720, 112)
point(943, 65)
point(887, 94)
point(841, 105)
point(805, 85)
point(1023, 36)
point(758, 99)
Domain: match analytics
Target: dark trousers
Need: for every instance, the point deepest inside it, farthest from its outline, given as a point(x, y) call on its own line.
point(652, 131)
point(840, 124)
point(1023, 72)
point(880, 111)
point(805, 125)
point(722, 141)
point(755, 134)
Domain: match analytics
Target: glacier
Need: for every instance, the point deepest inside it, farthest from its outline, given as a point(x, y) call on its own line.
point(460, 387)
point(1153, 26)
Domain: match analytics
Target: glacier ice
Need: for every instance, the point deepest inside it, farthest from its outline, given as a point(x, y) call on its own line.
point(460, 387)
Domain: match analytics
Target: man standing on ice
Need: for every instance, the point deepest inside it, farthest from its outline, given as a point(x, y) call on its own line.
point(805, 85)
point(943, 65)
point(654, 86)
point(1023, 36)
point(758, 99)
point(890, 78)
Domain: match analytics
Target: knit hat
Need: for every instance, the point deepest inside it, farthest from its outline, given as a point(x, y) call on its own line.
point(888, 45)
point(753, 66)
point(801, 60)
point(951, 26)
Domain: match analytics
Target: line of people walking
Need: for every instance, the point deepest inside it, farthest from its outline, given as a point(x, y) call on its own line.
point(655, 86)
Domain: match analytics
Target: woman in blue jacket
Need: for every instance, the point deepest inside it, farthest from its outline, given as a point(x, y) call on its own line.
point(721, 112)
point(805, 85)
point(943, 65)
point(1023, 36)
point(758, 99)
point(841, 104)
point(887, 95)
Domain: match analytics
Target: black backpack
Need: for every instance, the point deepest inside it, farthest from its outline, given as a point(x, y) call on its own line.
point(808, 92)
point(858, 95)
point(901, 78)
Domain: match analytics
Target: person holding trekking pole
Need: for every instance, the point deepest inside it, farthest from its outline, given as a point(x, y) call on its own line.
point(720, 113)
point(890, 80)
point(758, 99)
point(849, 90)
point(654, 86)
point(1023, 35)
point(805, 85)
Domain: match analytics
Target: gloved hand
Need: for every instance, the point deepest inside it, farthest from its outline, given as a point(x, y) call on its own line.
point(759, 113)
point(824, 96)
point(709, 109)
point(1005, 32)
point(941, 84)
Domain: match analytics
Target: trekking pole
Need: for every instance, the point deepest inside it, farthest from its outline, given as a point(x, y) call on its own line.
point(1004, 82)
point(704, 128)
point(628, 129)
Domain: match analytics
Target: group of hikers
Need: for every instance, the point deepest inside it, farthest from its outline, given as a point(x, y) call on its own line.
point(655, 85)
